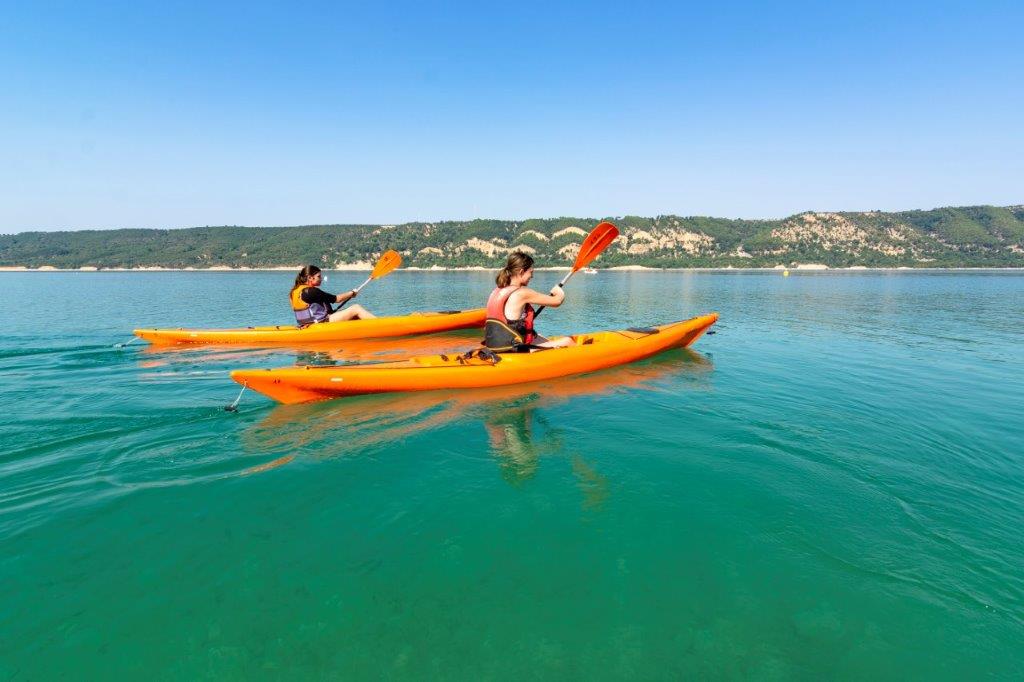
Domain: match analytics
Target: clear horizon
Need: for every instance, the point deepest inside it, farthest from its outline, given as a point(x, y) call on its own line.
point(148, 116)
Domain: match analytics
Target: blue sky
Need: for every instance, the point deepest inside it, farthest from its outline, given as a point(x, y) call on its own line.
point(182, 114)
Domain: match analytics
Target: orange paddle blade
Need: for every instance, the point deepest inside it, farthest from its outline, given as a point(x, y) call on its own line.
point(596, 242)
point(388, 262)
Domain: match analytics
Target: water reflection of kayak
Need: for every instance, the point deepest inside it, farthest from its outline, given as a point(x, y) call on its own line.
point(352, 350)
point(592, 352)
point(347, 426)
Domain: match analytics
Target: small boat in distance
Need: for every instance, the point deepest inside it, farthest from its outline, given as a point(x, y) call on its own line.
point(589, 271)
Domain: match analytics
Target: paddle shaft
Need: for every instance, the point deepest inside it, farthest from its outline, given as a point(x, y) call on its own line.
point(360, 287)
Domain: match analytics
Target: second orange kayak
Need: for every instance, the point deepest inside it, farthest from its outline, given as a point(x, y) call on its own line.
point(592, 352)
point(283, 335)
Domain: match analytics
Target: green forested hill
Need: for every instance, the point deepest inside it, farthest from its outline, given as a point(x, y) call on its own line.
point(945, 237)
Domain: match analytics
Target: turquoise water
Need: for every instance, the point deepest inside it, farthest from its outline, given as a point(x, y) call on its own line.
point(828, 487)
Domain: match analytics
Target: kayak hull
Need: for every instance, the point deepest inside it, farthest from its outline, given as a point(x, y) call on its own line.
point(283, 335)
point(593, 352)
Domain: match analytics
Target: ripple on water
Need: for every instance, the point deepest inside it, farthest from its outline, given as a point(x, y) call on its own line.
point(828, 488)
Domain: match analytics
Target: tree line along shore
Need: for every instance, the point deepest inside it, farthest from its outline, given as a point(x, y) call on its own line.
point(960, 237)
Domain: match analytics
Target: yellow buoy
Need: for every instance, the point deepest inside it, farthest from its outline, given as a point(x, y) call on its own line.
point(785, 273)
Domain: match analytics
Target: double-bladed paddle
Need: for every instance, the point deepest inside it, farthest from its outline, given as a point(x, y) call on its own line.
point(596, 242)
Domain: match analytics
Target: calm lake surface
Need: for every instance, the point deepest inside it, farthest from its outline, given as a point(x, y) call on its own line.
point(831, 486)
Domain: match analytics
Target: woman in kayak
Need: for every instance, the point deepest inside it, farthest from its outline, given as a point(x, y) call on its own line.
point(510, 309)
point(312, 304)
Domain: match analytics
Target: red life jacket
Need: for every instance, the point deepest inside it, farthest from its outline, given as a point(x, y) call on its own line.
point(501, 333)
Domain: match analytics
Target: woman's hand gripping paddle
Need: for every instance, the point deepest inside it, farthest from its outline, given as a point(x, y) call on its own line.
point(596, 242)
point(388, 262)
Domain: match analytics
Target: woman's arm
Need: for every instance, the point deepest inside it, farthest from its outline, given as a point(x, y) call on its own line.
point(347, 296)
point(552, 300)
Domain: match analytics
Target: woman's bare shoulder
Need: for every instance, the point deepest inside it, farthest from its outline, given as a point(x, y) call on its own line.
point(522, 292)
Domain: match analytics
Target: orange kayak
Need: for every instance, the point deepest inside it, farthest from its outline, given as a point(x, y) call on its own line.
point(592, 352)
point(283, 335)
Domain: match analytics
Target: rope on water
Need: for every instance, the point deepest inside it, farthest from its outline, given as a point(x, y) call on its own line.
point(122, 345)
point(233, 407)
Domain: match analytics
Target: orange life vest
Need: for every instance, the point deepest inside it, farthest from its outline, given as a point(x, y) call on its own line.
point(307, 313)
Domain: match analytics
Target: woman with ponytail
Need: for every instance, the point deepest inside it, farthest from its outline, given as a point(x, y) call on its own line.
point(510, 309)
point(311, 304)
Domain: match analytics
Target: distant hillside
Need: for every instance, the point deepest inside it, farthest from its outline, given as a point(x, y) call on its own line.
point(973, 236)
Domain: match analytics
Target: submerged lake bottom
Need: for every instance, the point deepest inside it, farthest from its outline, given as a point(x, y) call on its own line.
point(827, 487)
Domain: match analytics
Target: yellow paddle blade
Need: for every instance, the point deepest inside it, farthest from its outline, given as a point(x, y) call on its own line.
point(388, 262)
point(596, 242)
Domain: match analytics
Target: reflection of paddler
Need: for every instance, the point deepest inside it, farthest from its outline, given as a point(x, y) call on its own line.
point(318, 358)
point(593, 485)
point(510, 432)
point(519, 447)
